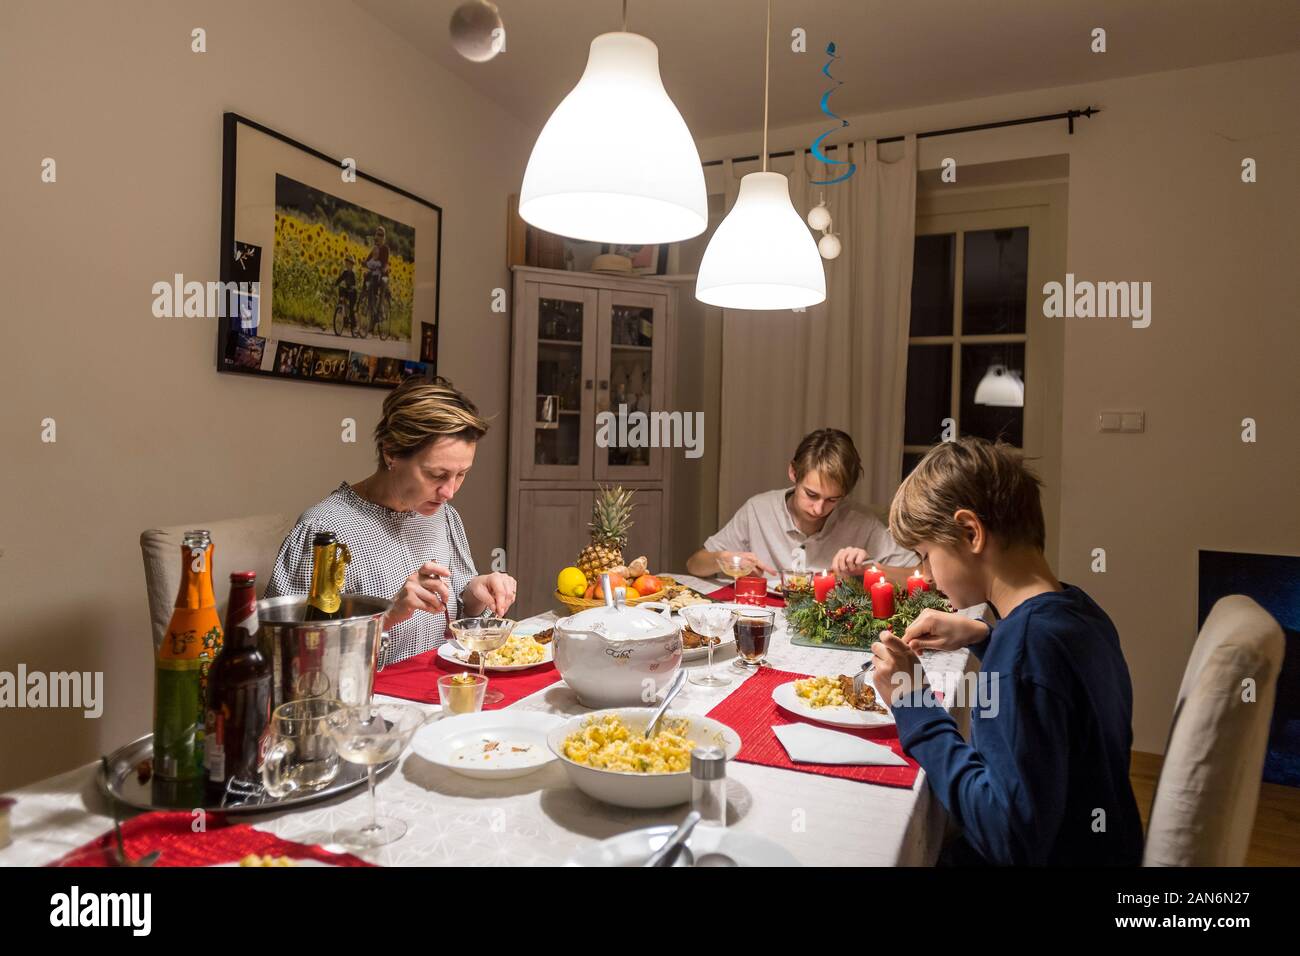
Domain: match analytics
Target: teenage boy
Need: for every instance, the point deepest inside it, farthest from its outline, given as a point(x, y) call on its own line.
point(1044, 779)
point(811, 519)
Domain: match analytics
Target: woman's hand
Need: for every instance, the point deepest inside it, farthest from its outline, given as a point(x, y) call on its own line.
point(850, 561)
point(943, 631)
point(496, 590)
point(425, 590)
point(897, 670)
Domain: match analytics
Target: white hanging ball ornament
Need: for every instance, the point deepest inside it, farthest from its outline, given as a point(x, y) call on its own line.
point(819, 217)
point(476, 31)
point(829, 246)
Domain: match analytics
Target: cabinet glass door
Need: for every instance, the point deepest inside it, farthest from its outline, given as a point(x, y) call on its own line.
point(557, 396)
point(630, 386)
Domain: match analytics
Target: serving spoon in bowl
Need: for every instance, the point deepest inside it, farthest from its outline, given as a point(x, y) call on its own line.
point(678, 682)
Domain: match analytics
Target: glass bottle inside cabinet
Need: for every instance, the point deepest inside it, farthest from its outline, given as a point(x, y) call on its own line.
point(631, 367)
point(558, 420)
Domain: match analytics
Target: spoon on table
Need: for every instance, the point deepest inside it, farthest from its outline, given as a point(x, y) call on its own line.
point(679, 681)
point(675, 846)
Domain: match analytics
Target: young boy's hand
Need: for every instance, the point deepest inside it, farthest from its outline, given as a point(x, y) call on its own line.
point(943, 631)
point(897, 671)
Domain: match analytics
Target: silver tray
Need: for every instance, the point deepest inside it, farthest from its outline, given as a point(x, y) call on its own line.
point(122, 784)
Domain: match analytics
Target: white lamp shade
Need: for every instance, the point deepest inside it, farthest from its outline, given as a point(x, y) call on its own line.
point(761, 256)
point(1000, 387)
point(615, 162)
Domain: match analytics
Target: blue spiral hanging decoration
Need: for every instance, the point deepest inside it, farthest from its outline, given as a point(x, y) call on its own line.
point(817, 143)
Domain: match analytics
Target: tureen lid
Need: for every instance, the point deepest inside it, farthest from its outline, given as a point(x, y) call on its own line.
point(619, 622)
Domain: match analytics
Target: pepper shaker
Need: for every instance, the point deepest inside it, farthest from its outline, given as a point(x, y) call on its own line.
point(709, 785)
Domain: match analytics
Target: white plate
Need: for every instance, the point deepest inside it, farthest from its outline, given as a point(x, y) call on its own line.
point(635, 847)
point(450, 653)
point(457, 743)
point(844, 716)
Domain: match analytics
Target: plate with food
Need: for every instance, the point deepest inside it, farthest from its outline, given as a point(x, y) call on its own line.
point(830, 700)
point(519, 652)
point(493, 744)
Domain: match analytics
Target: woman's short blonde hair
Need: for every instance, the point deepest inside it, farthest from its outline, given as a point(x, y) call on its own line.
point(988, 479)
point(831, 452)
point(418, 413)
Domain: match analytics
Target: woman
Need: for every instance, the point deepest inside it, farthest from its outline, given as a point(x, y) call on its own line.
point(406, 540)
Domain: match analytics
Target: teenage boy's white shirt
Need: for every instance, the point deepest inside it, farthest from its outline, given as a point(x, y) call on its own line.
point(765, 526)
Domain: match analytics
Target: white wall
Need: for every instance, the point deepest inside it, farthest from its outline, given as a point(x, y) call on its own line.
point(1155, 195)
point(148, 433)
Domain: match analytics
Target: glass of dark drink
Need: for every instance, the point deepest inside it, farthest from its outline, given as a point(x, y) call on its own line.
point(753, 630)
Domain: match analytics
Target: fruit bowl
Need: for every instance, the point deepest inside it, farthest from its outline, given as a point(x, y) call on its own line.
point(632, 597)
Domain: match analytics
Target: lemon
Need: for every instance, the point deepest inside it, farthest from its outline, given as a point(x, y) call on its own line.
point(571, 582)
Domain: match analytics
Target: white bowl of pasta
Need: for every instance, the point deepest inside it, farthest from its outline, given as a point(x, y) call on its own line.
point(607, 757)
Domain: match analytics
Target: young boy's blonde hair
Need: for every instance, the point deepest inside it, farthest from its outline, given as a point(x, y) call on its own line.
point(831, 452)
point(988, 479)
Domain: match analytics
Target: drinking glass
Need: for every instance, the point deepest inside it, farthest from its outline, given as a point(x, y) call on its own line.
point(371, 734)
point(753, 629)
point(735, 565)
point(300, 755)
point(795, 582)
point(482, 634)
point(713, 621)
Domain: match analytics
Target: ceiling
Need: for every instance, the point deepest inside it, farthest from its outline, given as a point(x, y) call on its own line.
point(893, 54)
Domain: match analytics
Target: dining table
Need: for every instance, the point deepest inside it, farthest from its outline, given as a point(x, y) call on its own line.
point(542, 820)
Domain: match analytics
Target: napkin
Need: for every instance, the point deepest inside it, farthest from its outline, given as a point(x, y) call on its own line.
point(808, 744)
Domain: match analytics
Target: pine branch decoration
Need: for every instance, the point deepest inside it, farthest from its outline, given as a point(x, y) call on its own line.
point(845, 619)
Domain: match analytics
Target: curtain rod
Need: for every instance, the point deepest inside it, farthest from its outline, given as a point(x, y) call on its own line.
point(1069, 116)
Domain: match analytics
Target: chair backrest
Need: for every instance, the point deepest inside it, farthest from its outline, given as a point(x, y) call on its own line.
point(1204, 807)
point(238, 544)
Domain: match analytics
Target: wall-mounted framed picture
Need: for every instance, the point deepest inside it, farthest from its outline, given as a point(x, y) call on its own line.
point(339, 272)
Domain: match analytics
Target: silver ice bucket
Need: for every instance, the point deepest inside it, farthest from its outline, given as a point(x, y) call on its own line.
point(336, 658)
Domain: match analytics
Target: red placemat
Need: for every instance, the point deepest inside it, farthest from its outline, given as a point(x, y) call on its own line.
point(416, 678)
point(172, 833)
point(728, 593)
point(750, 711)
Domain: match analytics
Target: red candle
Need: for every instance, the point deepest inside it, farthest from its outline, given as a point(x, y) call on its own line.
point(916, 583)
point(882, 599)
point(822, 585)
point(873, 575)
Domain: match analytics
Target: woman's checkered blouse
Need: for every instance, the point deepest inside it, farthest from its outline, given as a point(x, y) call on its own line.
point(387, 546)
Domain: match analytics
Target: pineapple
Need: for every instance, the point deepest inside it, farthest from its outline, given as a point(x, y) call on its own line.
point(611, 516)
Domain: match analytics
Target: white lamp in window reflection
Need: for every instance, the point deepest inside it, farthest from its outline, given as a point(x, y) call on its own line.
point(1001, 386)
point(615, 162)
point(762, 256)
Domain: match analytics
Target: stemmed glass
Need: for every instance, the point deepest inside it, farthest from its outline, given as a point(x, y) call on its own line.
point(735, 565)
point(371, 734)
point(713, 621)
point(483, 634)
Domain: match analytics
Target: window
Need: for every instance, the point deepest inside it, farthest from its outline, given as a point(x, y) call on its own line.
point(968, 337)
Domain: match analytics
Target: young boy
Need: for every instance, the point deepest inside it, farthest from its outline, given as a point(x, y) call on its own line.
point(1044, 779)
point(810, 517)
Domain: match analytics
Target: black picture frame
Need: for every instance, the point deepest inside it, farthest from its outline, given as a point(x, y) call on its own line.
point(241, 354)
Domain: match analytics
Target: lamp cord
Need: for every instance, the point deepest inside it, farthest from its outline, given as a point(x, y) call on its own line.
point(767, 77)
point(625, 16)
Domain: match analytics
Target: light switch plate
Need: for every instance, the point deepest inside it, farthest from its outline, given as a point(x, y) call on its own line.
point(1133, 422)
point(1108, 422)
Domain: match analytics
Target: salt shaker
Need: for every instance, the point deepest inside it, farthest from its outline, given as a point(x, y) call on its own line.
point(709, 785)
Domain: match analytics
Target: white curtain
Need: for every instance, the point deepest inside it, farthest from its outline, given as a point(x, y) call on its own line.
point(841, 364)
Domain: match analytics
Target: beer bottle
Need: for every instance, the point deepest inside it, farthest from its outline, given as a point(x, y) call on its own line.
point(238, 699)
point(181, 665)
point(329, 560)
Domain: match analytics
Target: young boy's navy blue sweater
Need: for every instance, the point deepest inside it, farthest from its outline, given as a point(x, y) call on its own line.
point(1027, 788)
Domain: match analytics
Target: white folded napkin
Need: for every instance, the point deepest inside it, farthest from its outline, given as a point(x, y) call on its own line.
point(808, 744)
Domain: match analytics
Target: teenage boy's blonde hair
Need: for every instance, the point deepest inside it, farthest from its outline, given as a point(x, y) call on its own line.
point(977, 475)
point(831, 452)
point(418, 412)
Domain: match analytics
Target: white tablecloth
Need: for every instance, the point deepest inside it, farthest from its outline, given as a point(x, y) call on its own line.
point(541, 819)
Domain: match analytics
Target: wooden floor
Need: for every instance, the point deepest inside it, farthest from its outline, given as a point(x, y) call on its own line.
point(1276, 840)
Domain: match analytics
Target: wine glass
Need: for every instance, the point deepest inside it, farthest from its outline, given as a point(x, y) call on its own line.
point(371, 734)
point(735, 565)
point(713, 621)
point(482, 634)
